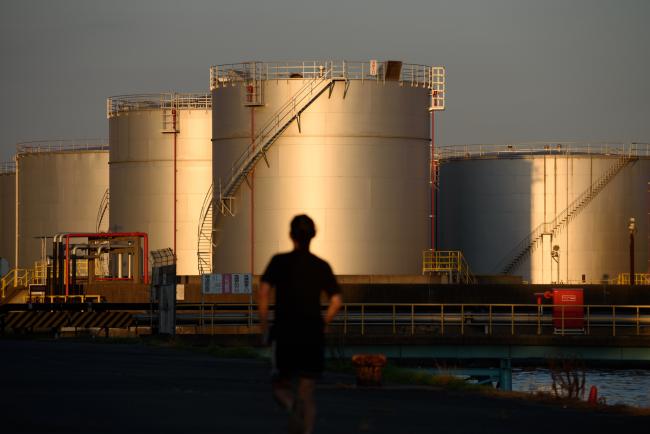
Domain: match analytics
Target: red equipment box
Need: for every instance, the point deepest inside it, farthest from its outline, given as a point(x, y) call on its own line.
point(568, 310)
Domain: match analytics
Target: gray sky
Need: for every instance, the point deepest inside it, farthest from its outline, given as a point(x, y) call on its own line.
point(517, 70)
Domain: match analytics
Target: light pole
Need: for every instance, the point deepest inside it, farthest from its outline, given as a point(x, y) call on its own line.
point(632, 228)
point(555, 255)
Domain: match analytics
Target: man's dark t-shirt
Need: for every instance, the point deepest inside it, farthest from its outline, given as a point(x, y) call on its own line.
point(299, 278)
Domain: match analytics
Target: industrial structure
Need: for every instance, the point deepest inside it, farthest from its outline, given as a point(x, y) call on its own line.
point(8, 212)
point(59, 186)
point(347, 143)
point(552, 213)
point(160, 168)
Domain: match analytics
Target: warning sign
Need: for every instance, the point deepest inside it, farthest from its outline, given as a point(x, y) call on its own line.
point(227, 283)
point(373, 67)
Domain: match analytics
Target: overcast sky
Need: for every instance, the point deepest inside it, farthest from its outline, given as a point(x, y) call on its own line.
point(517, 70)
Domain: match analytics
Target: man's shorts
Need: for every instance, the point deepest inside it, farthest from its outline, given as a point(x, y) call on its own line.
point(291, 359)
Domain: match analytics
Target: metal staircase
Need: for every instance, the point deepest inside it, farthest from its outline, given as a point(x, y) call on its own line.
point(278, 122)
point(104, 206)
point(526, 246)
point(205, 243)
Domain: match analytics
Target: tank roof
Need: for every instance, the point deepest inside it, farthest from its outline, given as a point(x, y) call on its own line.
point(59, 145)
point(431, 77)
point(157, 101)
point(524, 150)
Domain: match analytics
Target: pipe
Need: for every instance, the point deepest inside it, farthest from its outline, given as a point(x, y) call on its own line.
point(143, 235)
point(175, 134)
point(119, 265)
point(17, 213)
point(52, 274)
point(73, 276)
point(252, 261)
point(67, 259)
point(79, 246)
point(433, 178)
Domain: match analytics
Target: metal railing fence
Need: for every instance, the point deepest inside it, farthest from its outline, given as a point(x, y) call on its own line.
point(59, 145)
point(42, 298)
point(639, 279)
point(7, 167)
point(447, 261)
point(431, 77)
point(156, 101)
point(459, 152)
point(14, 278)
point(441, 319)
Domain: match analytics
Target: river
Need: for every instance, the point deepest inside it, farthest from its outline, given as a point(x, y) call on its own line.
point(621, 386)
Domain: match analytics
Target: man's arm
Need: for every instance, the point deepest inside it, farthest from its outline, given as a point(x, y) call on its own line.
point(335, 304)
point(263, 306)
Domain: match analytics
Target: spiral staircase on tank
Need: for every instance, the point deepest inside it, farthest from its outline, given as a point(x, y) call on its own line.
point(526, 246)
point(104, 206)
point(209, 222)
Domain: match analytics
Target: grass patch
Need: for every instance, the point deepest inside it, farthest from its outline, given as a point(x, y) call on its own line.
point(234, 352)
point(396, 374)
point(392, 373)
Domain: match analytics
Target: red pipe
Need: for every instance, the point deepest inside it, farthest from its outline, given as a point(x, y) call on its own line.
point(174, 126)
point(67, 260)
point(252, 261)
point(145, 260)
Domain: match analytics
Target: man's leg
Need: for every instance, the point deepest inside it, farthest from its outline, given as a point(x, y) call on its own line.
point(306, 405)
point(283, 393)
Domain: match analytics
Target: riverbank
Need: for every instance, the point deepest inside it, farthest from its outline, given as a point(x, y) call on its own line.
point(68, 386)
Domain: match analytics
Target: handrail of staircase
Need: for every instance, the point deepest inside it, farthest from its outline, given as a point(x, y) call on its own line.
point(558, 222)
point(205, 209)
point(103, 207)
point(6, 281)
point(284, 114)
point(508, 262)
point(15, 277)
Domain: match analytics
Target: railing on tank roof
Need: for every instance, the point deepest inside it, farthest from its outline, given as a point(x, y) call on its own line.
point(154, 101)
point(7, 167)
point(59, 145)
point(459, 152)
point(431, 77)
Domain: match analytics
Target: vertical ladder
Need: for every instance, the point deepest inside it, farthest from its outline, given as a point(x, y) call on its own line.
point(168, 106)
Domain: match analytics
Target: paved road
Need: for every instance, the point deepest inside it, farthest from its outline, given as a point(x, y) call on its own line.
point(72, 387)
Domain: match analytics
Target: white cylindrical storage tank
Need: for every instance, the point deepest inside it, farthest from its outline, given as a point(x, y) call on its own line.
point(8, 212)
point(160, 169)
point(356, 160)
point(550, 213)
point(60, 189)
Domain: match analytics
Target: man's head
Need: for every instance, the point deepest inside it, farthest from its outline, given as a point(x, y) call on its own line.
point(302, 231)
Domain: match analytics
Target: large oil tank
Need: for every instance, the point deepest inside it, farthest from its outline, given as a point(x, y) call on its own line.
point(8, 212)
point(548, 212)
point(60, 188)
point(160, 168)
point(347, 143)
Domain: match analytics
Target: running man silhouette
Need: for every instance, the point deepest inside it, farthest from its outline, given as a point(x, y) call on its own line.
point(297, 336)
